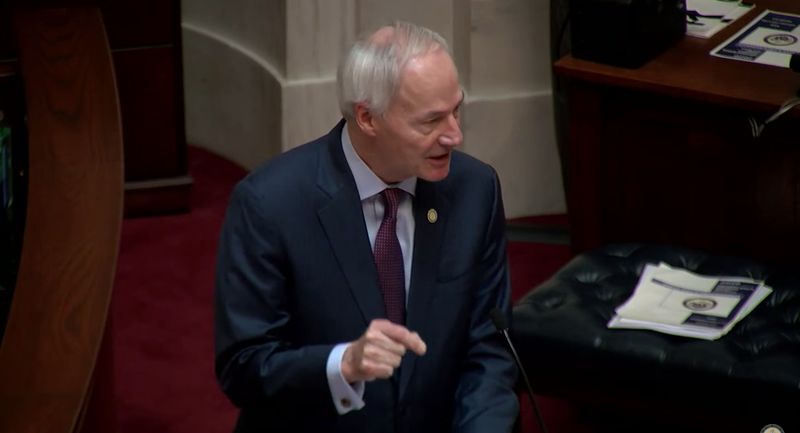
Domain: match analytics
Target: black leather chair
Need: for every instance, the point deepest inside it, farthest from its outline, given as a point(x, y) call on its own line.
point(751, 375)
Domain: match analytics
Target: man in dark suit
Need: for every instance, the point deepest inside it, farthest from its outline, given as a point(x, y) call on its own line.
point(356, 272)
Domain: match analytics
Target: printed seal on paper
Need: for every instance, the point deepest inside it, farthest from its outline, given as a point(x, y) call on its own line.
point(781, 39)
point(699, 304)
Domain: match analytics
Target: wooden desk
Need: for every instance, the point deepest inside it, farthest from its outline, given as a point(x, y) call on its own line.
point(55, 358)
point(665, 153)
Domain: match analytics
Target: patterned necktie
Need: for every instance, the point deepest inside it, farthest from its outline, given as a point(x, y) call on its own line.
point(389, 259)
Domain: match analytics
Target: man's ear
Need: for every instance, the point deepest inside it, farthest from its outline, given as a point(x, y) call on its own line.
point(365, 119)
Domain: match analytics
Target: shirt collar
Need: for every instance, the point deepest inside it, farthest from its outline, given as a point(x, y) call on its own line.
point(367, 182)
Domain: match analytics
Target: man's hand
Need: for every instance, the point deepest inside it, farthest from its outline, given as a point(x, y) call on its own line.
point(378, 352)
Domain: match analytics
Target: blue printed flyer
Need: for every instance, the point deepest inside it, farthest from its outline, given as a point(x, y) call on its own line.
point(770, 39)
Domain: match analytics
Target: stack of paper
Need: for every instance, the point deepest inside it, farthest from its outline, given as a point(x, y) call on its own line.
point(678, 302)
point(772, 38)
point(707, 17)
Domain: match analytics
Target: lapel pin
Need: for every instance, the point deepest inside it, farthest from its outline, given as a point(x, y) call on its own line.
point(432, 216)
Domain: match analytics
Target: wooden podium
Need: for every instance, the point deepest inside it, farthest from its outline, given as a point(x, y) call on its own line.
point(665, 153)
point(55, 357)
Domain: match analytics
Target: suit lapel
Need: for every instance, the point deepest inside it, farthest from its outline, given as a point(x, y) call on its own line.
point(343, 222)
point(428, 238)
point(342, 219)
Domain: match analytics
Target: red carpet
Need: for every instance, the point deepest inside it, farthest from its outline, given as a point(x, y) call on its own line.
point(163, 316)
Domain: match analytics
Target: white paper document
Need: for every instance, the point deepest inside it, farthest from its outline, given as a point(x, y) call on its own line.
point(770, 39)
point(678, 302)
point(714, 15)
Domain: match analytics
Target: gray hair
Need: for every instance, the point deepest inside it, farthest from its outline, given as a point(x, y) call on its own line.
point(370, 69)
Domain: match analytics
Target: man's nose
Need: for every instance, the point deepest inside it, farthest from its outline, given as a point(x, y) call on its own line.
point(451, 137)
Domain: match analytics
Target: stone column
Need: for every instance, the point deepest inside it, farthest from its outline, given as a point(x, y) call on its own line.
point(509, 118)
point(260, 74)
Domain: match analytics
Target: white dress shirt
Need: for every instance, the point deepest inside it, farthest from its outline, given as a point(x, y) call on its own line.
point(347, 397)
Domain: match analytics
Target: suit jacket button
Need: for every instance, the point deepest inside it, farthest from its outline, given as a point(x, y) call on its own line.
point(345, 402)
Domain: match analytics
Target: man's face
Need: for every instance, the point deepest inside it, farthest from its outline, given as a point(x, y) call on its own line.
point(421, 125)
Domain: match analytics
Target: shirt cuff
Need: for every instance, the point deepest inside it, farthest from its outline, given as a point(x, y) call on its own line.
point(346, 398)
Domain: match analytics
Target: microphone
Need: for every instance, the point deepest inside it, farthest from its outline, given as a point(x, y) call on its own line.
point(499, 321)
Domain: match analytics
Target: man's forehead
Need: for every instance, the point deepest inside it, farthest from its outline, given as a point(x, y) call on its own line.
point(428, 72)
point(439, 100)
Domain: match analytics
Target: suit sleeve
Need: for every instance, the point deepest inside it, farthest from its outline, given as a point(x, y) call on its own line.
point(485, 397)
point(256, 363)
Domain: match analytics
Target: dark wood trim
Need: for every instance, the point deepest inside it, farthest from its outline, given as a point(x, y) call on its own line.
point(73, 222)
point(9, 68)
point(537, 233)
point(159, 196)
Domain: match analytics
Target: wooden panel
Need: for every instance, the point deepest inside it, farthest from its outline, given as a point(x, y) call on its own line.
point(586, 172)
point(129, 23)
point(161, 196)
point(148, 63)
point(151, 101)
point(73, 223)
point(153, 130)
point(99, 409)
point(649, 168)
point(688, 70)
point(137, 23)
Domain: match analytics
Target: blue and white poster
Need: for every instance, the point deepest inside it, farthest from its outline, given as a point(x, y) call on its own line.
point(770, 39)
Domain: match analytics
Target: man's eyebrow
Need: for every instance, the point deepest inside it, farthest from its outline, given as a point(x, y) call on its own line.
point(438, 113)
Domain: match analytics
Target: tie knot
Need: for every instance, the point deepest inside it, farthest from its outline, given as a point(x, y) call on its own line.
point(391, 198)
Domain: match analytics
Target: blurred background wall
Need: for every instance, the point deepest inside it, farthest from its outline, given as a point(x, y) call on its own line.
point(259, 79)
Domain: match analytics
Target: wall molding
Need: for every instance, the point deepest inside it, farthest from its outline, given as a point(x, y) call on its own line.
point(250, 54)
point(508, 96)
